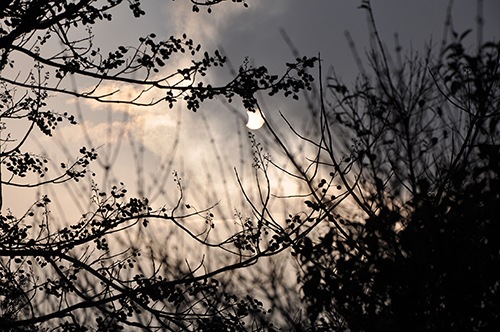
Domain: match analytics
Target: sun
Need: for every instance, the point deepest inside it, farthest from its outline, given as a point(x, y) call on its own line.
point(255, 120)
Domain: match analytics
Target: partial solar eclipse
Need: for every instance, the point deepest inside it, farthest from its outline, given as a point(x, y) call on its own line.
point(255, 120)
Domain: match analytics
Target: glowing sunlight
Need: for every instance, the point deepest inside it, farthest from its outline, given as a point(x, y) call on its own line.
point(255, 120)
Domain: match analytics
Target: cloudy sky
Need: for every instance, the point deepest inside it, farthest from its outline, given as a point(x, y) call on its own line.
point(206, 145)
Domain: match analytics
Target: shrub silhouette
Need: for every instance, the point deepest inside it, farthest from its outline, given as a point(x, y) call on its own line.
point(424, 172)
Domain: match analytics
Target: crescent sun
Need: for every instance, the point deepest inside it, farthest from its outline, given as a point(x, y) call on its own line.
point(255, 120)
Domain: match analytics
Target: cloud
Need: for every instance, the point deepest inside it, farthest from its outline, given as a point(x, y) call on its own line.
point(154, 131)
point(209, 27)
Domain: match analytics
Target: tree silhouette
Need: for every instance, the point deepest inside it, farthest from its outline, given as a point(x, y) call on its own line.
point(413, 152)
point(75, 278)
point(393, 226)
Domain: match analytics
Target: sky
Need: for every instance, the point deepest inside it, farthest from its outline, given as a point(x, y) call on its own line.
point(206, 147)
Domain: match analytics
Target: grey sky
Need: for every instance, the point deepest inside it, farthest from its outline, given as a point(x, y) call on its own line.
point(316, 26)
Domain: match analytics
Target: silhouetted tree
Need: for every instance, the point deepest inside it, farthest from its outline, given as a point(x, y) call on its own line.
point(405, 178)
point(75, 277)
point(398, 187)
